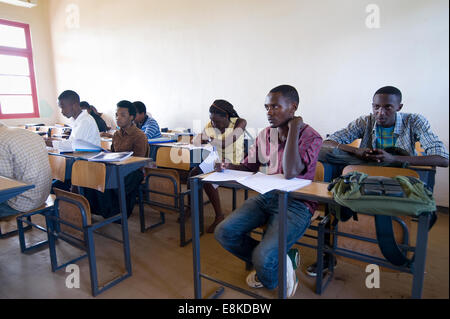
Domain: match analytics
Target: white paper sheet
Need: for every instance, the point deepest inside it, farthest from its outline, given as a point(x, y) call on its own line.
point(207, 166)
point(263, 183)
point(228, 175)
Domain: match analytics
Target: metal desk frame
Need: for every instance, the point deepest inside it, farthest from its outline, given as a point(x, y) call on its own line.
point(197, 212)
point(417, 269)
point(115, 179)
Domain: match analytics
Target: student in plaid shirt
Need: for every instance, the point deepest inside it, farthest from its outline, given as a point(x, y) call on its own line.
point(386, 128)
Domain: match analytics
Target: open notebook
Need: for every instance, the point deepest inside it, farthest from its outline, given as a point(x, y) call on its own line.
point(259, 182)
point(76, 146)
point(110, 157)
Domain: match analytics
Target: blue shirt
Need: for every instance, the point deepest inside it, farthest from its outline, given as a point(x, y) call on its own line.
point(150, 128)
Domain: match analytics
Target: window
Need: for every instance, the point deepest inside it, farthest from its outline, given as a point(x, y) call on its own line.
point(18, 95)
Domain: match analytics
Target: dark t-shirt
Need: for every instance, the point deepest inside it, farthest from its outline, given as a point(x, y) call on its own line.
point(100, 122)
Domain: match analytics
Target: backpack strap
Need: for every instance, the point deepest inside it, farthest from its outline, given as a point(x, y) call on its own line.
point(387, 243)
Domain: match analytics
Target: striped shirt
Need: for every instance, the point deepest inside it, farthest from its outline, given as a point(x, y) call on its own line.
point(23, 157)
point(150, 128)
point(268, 151)
point(408, 129)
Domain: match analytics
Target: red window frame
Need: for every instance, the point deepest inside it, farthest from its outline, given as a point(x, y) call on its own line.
point(27, 53)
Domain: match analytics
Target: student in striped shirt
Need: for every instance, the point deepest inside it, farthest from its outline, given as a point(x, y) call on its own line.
point(146, 123)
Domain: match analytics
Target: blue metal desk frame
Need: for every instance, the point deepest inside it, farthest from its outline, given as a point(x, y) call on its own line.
point(197, 212)
point(115, 179)
point(13, 192)
point(417, 269)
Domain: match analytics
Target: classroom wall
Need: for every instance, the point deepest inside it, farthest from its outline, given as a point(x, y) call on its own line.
point(37, 18)
point(178, 56)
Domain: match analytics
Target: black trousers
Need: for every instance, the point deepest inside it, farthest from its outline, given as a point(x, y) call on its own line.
point(107, 204)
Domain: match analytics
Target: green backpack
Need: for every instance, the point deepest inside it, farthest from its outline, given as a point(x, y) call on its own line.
point(385, 198)
point(398, 196)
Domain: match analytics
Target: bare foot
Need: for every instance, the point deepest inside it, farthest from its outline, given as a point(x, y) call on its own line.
point(216, 222)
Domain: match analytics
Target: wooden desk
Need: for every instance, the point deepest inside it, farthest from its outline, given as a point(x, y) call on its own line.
point(196, 154)
point(115, 179)
point(10, 188)
point(427, 174)
point(197, 220)
point(318, 192)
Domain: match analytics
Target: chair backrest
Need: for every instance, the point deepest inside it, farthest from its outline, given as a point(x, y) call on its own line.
point(380, 171)
point(71, 213)
point(168, 183)
point(89, 174)
point(320, 172)
point(419, 149)
point(58, 166)
point(106, 144)
point(356, 143)
point(177, 158)
point(365, 226)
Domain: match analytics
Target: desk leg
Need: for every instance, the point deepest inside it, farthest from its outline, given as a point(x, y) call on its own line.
point(282, 251)
point(195, 189)
point(124, 219)
point(420, 257)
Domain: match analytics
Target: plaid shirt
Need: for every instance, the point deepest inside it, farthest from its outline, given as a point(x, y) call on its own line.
point(409, 129)
point(385, 137)
point(23, 157)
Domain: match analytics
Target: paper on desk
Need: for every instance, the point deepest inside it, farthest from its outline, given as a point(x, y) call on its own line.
point(228, 175)
point(207, 166)
point(76, 145)
point(263, 183)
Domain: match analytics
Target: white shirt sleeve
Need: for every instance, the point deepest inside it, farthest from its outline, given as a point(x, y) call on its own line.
point(84, 128)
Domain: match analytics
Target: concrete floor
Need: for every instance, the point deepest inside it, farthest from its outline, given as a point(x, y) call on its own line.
point(161, 269)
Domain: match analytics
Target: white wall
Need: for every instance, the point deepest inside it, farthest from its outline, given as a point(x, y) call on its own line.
point(177, 56)
point(37, 18)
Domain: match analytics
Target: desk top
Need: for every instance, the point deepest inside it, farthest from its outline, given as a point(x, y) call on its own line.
point(87, 155)
point(316, 191)
point(7, 183)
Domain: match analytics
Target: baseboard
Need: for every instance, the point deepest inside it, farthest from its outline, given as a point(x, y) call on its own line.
point(442, 209)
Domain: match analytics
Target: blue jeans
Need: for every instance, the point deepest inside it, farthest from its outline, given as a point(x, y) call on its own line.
point(233, 233)
point(6, 210)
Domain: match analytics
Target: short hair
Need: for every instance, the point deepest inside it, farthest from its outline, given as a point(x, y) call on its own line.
point(391, 90)
point(128, 105)
point(289, 92)
point(71, 96)
point(223, 108)
point(140, 107)
point(85, 105)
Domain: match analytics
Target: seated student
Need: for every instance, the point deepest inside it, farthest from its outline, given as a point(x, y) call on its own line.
point(145, 122)
point(83, 124)
point(128, 139)
point(111, 124)
point(225, 131)
point(23, 157)
point(100, 122)
point(289, 147)
point(385, 128)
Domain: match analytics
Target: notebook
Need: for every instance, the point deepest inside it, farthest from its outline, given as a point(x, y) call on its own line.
point(259, 182)
point(110, 157)
point(76, 146)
